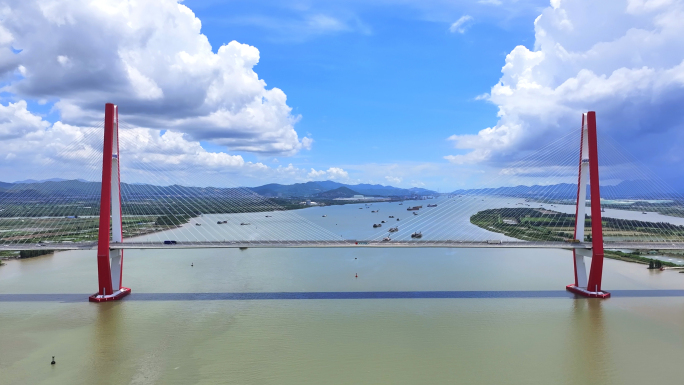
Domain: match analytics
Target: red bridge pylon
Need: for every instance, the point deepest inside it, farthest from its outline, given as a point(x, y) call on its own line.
point(110, 262)
point(588, 167)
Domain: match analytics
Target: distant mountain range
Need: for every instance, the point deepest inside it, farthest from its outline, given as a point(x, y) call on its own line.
point(320, 190)
point(29, 181)
point(91, 190)
point(623, 190)
point(311, 189)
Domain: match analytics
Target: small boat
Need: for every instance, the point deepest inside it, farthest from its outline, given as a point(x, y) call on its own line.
point(397, 219)
point(324, 216)
point(386, 239)
point(391, 216)
point(382, 222)
point(393, 229)
point(376, 225)
point(198, 224)
point(415, 213)
point(375, 211)
point(360, 208)
point(414, 208)
point(432, 205)
point(401, 203)
point(417, 234)
point(269, 216)
point(643, 212)
point(243, 248)
point(221, 222)
point(245, 224)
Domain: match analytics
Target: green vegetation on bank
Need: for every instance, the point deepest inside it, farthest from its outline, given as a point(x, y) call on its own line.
point(7, 254)
point(536, 224)
point(160, 206)
point(34, 253)
point(23, 254)
point(192, 207)
point(525, 224)
point(172, 220)
point(634, 256)
point(672, 208)
point(48, 230)
point(79, 221)
point(531, 224)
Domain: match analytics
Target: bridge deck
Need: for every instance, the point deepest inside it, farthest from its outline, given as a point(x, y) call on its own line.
point(346, 244)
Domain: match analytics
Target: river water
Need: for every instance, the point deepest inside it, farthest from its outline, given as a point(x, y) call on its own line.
point(302, 316)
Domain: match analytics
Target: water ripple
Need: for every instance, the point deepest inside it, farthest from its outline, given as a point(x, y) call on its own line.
point(70, 298)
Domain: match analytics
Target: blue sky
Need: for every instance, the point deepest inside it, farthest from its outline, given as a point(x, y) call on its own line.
point(390, 91)
point(433, 93)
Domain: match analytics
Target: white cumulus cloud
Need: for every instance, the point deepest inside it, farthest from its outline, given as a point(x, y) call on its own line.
point(31, 147)
point(150, 58)
point(623, 59)
point(333, 173)
point(16, 121)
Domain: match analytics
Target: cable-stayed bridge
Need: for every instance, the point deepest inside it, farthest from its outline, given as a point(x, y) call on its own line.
point(344, 244)
point(166, 213)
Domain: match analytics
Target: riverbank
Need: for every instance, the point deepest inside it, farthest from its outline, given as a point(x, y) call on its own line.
point(672, 208)
point(635, 257)
point(542, 224)
point(137, 220)
point(57, 230)
point(23, 254)
point(5, 255)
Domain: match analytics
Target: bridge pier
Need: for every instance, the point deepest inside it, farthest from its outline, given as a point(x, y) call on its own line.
point(588, 171)
point(110, 261)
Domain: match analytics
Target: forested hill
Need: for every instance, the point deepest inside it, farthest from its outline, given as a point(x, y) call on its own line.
point(312, 188)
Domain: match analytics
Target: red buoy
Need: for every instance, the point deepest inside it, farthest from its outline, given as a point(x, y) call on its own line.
point(357, 275)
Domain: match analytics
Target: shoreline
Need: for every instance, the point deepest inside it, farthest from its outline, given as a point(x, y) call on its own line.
point(542, 224)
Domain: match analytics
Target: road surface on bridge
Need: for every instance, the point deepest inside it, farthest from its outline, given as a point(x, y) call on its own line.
point(346, 244)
